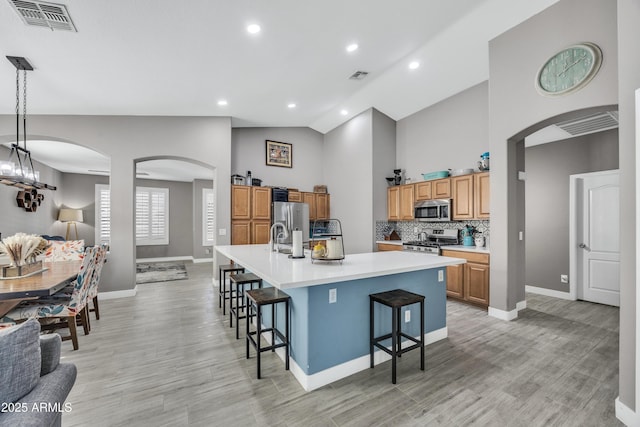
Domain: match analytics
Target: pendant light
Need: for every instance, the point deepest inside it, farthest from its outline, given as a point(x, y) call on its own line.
point(18, 170)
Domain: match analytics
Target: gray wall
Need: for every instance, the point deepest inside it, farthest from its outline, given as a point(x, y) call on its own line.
point(384, 162)
point(347, 160)
point(516, 110)
point(199, 251)
point(180, 220)
point(79, 192)
point(628, 82)
point(125, 139)
point(448, 135)
point(248, 153)
point(16, 219)
point(548, 168)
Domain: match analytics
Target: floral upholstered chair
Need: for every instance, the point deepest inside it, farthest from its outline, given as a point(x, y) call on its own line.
point(65, 308)
point(69, 250)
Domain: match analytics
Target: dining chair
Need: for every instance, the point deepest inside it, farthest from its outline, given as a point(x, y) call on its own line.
point(68, 250)
point(66, 309)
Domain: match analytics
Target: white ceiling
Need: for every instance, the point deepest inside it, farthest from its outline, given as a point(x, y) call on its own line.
point(160, 57)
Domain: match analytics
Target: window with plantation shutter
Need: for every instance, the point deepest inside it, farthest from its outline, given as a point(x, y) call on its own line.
point(103, 214)
point(152, 216)
point(208, 213)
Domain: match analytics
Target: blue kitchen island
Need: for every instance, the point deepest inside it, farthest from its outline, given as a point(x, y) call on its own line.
point(330, 340)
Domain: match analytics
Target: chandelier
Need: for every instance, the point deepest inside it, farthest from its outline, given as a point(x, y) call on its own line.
point(18, 170)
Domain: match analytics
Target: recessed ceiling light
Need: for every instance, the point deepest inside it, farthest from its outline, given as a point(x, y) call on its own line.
point(352, 47)
point(344, 112)
point(291, 105)
point(413, 65)
point(222, 102)
point(253, 28)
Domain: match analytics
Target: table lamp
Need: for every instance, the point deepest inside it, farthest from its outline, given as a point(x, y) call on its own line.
point(70, 216)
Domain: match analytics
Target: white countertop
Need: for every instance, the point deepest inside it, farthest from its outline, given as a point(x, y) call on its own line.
point(390, 242)
point(283, 272)
point(462, 248)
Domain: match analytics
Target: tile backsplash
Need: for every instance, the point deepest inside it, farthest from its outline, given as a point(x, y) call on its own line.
point(406, 228)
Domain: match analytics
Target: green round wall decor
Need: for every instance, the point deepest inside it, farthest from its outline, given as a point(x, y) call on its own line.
point(569, 70)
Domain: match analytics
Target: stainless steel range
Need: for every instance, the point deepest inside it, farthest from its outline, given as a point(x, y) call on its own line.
point(434, 239)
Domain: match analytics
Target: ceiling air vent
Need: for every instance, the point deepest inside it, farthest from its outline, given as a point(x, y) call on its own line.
point(358, 75)
point(43, 14)
point(590, 124)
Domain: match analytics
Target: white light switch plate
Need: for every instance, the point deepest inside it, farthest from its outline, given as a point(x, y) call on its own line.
point(333, 295)
point(222, 232)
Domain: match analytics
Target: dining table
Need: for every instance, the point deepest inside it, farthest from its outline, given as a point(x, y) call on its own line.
point(53, 277)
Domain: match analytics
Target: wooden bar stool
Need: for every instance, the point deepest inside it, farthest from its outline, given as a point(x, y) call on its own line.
point(223, 293)
point(256, 299)
point(396, 299)
point(240, 284)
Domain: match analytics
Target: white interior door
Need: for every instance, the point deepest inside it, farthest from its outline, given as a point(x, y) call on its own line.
point(598, 238)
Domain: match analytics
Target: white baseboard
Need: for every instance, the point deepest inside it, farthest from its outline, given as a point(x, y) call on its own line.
point(548, 292)
point(521, 305)
point(322, 378)
point(626, 415)
point(166, 259)
point(503, 315)
point(118, 294)
point(200, 260)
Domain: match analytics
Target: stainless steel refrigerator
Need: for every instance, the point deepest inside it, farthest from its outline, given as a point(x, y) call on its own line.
point(293, 215)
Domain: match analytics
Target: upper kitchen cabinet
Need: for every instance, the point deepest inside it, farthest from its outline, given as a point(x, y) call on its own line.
point(470, 196)
point(400, 201)
point(261, 203)
point(323, 208)
point(481, 195)
point(240, 202)
point(436, 189)
point(423, 190)
point(441, 189)
point(295, 196)
point(393, 203)
point(319, 205)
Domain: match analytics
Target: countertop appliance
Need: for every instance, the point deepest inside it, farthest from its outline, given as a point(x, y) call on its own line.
point(435, 238)
point(433, 210)
point(293, 215)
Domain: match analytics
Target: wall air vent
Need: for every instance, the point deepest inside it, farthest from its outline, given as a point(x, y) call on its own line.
point(43, 14)
point(590, 124)
point(358, 75)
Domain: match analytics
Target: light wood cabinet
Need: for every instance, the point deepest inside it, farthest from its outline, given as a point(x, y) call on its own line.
point(441, 189)
point(310, 199)
point(260, 231)
point(471, 196)
point(389, 247)
point(240, 232)
point(407, 200)
point(393, 203)
point(323, 208)
point(462, 190)
point(481, 195)
point(295, 196)
point(240, 202)
point(319, 205)
point(250, 214)
point(400, 201)
point(261, 203)
point(423, 190)
point(469, 282)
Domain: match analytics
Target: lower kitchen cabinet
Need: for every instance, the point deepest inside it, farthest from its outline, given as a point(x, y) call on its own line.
point(389, 247)
point(252, 232)
point(240, 232)
point(260, 232)
point(469, 282)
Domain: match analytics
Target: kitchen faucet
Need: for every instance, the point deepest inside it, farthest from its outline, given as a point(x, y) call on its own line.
point(274, 244)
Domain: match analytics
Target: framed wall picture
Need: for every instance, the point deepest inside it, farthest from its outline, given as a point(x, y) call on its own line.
point(279, 154)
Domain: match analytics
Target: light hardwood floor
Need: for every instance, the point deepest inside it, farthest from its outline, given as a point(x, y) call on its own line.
point(168, 358)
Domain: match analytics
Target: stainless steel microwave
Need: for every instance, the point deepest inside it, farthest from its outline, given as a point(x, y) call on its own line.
point(433, 210)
